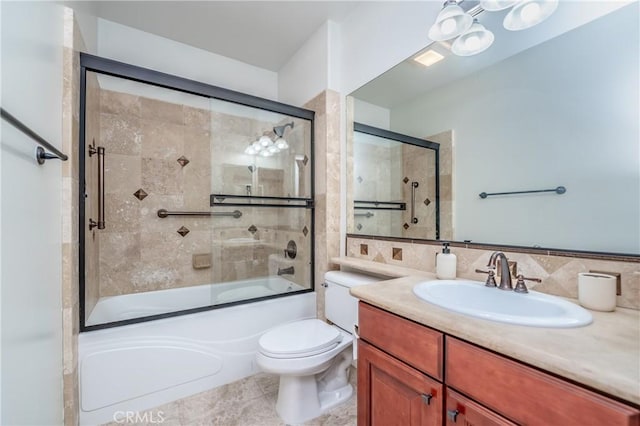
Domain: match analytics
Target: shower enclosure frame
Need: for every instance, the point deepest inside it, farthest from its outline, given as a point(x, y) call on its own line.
point(118, 69)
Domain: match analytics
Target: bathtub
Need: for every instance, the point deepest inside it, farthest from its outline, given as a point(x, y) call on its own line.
point(140, 366)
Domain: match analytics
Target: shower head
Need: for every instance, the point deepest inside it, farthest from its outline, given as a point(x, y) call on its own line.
point(279, 130)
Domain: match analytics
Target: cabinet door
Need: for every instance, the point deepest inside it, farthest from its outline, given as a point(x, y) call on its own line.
point(390, 393)
point(462, 411)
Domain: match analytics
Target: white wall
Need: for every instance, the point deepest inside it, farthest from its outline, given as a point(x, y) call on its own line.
point(378, 35)
point(512, 131)
point(306, 74)
point(370, 114)
point(143, 49)
point(31, 63)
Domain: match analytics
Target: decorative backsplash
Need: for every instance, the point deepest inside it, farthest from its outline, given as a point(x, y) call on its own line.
point(559, 273)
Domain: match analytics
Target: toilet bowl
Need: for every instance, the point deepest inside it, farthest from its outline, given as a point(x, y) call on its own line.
point(313, 357)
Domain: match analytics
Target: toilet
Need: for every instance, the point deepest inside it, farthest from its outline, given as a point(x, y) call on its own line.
point(313, 357)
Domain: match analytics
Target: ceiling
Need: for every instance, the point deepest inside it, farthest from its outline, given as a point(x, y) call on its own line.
point(409, 80)
point(261, 33)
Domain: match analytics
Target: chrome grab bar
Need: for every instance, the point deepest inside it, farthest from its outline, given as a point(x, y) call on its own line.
point(414, 185)
point(162, 213)
point(100, 151)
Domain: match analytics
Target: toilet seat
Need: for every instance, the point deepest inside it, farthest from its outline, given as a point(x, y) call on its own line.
point(300, 339)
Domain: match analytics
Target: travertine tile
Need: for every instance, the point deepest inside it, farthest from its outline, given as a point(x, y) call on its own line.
point(161, 111)
point(119, 103)
point(120, 134)
point(162, 177)
point(559, 274)
point(161, 140)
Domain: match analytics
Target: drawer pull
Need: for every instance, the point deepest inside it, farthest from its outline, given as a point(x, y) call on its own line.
point(427, 398)
point(453, 415)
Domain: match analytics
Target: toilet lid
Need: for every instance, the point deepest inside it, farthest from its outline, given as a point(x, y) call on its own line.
point(300, 338)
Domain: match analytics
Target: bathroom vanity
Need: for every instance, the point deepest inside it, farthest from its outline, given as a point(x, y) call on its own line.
point(423, 365)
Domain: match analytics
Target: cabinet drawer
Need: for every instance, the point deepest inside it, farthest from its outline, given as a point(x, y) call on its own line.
point(412, 343)
point(462, 411)
point(527, 395)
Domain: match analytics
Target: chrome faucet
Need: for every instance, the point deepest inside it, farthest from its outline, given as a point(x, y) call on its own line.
point(287, 271)
point(505, 273)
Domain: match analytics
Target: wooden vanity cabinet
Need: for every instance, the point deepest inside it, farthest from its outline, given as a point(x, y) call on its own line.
point(404, 378)
point(393, 389)
point(527, 395)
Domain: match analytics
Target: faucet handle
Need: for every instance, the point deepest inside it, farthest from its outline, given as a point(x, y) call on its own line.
point(491, 278)
point(520, 286)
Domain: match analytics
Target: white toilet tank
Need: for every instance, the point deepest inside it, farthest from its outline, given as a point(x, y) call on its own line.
point(339, 306)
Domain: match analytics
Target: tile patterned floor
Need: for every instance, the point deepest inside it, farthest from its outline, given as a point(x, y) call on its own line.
point(247, 402)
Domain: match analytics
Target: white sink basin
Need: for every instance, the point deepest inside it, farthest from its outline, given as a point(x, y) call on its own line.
point(473, 298)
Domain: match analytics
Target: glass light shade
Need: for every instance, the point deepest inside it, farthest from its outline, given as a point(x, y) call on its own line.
point(250, 150)
point(496, 5)
point(476, 40)
point(281, 143)
point(256, 146)
point(528, 13)
point(273, 149)
point(265, 141)
point(451, 22)
point(266, 153)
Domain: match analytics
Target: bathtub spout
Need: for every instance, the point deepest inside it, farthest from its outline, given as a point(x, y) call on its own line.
point(287, 271)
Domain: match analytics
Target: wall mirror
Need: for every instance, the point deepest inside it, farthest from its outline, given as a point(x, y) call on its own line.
point(552, 106)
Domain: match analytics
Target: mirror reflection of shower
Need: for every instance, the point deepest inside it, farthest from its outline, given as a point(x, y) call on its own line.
point(395, 184)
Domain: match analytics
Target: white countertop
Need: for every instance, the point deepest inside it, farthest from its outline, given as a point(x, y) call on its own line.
point(604, 355)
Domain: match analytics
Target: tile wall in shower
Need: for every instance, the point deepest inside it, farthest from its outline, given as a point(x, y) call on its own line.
point(159, 156)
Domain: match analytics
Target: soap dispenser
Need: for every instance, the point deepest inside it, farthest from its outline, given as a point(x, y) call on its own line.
point(446, 264)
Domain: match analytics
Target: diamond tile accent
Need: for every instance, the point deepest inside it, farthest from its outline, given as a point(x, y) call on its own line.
point(427, 202)
point(359, 226)
point(364, 248)
point(140, 194)
point(251, 168)
point(397, 253)
point(405, 226)
point(405, 180)
point(182, 231)
point(359, 179)
point(305, 231)
point(183, 161)
point(252, 229)
point(305, 160)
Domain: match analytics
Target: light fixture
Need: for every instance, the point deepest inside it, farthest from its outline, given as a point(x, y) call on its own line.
point(266, 147)
point(428, 58)
point(496, 5)
point(477, 39)
point(528, 13)
point(451, 22)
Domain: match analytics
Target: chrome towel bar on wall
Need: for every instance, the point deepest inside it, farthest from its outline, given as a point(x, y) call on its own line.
point(41, 152)
point(559, 190)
